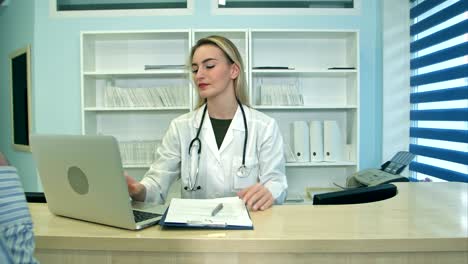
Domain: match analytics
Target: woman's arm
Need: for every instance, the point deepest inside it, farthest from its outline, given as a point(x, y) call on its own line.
point(272, 184)
point(166, 168)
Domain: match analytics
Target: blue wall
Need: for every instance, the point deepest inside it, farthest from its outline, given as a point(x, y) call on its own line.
point(56, 64)
point(17, 31)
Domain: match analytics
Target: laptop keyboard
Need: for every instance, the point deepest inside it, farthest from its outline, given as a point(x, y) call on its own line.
point(142, 216)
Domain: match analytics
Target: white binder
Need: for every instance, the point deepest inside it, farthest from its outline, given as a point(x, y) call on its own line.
point(316, 140)
point(300, 141)
point(332, 141)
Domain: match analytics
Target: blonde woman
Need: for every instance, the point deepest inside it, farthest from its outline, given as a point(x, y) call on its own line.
point(223, 148)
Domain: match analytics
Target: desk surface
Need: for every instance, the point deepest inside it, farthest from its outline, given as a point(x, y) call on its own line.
point(423, 217)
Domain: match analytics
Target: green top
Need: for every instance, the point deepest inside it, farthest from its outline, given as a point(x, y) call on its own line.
point(220, 127)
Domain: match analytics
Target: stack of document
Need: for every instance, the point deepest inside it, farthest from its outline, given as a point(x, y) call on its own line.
point(169, 96)
point(294, 198)
point(312, 191)
point(281, 94)
point(138, 152)
point(218, 213)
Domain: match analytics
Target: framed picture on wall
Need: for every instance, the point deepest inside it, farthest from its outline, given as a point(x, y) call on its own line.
point(20, 88)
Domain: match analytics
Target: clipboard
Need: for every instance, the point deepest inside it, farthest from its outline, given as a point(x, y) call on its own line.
point(237, 216)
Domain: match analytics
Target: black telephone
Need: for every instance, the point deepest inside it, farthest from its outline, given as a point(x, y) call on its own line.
point(388, 172)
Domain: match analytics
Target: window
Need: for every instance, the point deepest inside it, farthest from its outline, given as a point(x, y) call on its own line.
point(439, 90)
point(70, 5)
point(282, 7)
point(120, 7)
point(285, 4)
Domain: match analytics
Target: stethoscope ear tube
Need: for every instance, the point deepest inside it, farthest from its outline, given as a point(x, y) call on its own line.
point(196, 143)
point(246, 133)
point(197, 137)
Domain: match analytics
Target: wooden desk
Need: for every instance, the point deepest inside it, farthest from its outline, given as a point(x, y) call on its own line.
point(424, 223)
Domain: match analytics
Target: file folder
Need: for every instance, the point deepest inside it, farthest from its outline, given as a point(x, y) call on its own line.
point(332, 141)
point(197, 213)
point(316, 140)
point(300, 141)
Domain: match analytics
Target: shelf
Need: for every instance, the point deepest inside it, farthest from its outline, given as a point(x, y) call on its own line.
point(147, 73)
point(304, 201)
point(318, 107)
point(321, 164)
point(136, 166)
point(116, 109)
point(261, 33)
point(289, 164)
point(325, 73)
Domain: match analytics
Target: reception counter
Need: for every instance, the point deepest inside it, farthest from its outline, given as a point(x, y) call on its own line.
point(423, 223)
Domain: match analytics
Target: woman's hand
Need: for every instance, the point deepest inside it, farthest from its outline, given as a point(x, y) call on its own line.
point(257, 197)
point(136, 190)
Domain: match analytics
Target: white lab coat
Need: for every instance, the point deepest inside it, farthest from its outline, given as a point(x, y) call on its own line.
point(218, 167)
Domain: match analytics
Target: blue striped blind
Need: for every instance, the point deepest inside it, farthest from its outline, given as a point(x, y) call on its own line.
point(439, 89)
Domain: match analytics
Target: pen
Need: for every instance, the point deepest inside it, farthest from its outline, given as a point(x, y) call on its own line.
point(217, 209)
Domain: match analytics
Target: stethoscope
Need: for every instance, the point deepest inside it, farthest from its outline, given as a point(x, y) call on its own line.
point(195, 159)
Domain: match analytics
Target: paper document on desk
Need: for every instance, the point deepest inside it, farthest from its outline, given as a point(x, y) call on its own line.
point(198, 213)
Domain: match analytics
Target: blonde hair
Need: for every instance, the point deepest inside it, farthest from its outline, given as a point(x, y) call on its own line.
point(233, 56)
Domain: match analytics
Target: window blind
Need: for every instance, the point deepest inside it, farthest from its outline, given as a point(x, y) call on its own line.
point(439, 89)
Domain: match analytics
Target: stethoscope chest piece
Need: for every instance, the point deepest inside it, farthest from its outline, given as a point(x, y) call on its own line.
point(242, 171)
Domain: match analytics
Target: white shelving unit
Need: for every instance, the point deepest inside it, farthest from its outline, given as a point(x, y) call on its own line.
point(323, 68)
point(116, 60)
point(120, 97)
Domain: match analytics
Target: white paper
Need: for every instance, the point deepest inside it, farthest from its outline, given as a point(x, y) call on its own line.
point(187, 211)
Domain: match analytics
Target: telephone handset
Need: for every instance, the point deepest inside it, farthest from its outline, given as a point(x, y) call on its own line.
point(388, 172)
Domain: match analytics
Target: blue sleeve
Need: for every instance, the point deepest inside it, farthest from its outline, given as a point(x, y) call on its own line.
point(16, 227)
point(5, 256)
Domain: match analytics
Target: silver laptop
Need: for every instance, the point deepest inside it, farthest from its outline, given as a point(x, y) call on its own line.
point(83, 178)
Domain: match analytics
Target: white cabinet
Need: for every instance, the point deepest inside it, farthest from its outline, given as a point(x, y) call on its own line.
point(293, 75)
